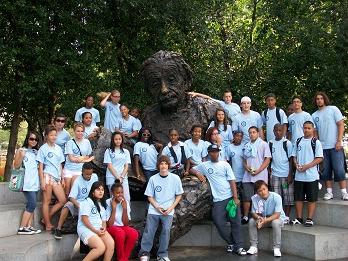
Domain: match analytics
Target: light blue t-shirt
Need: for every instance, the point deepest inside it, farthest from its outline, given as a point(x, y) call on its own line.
point(138, 124)
point(163, 189)
point(81, 187)
point(280, 161)
point(267, 207)
point(87, 208)
point(325, 121)
point(243, 122)
point(52, 158)
point(31, 177)
point(234, 154)
point(218, 174)
point(62, 138)
point(147, 155)
point(129, 125)
point(272, 120)
point(72, 149)
point(222, 155)
point(226, 135)
point(296, 121)
point(196, 152)
point(304, 155)
point(177, 151)
point(112, 115)
point(118, 213)
point(88, 130)
point(232, 109)
point(118, 159)
point(93, 111)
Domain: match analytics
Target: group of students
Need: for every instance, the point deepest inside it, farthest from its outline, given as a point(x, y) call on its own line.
point(234, 158)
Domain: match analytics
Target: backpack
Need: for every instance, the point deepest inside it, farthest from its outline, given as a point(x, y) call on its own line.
point(183, 156)
point(313, 144)
point(285, 147)
point(277, 114)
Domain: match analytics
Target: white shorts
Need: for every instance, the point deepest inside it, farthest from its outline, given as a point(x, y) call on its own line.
point(71, 173)
point(85, 234)
point(74, 211)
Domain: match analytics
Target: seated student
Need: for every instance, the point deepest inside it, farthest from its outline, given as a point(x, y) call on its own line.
point(266, 211)
point(281, 168)
point(176, 152)
point(118, 215)
point(256, 160)
point(197, 149)
point(307, 154)
point(79, 192)
point(223, 188)
point(146, 152)
point(88, 108)
point(164, 192)
point(221, 123)
point(112, 110)
point(91, 226)
point(135, 112)
point(91, 131)
point(213, 137)
point(128, 125)
point(234, 155)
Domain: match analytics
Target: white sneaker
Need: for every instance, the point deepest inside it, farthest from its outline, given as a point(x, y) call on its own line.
point(252, 250)
point(345, 196)
point(328, 196)
point(276, 252)
point(165, 258)
point(286, 221)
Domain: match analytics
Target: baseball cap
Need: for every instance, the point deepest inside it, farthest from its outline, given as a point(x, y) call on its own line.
point(245, 99)
point(213, 147)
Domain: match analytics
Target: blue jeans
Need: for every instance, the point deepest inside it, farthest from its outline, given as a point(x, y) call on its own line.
point(334, 162)
point(31, 200)
point(152, 222)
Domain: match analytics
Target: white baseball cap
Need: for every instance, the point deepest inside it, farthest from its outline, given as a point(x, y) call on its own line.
point(245, 99)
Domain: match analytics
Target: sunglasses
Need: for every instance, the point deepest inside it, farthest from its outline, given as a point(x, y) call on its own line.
point(33, 139)
point(146, 134)
point(59, 120)
point(115, 96)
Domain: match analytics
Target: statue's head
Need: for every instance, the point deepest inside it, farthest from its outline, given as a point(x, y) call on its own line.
point(167, 77)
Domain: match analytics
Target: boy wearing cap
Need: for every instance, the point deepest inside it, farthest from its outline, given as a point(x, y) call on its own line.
point(223, 187)
point(246, 119)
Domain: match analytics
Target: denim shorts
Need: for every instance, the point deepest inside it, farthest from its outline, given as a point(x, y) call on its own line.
point(334, 162)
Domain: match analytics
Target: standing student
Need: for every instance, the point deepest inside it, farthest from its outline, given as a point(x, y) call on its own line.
point(329, 123)
point(234, 155)
point(91, 131)
point(91, 226)
point(176, 151)
point(243, 121)
point(224, 189)
point(230, 107)
point(89, 103)
point(128, 125)
point(118, 215)
point(79, 192)
point(266, 211)
point(281, 169)
point(221, 123)
point(62, 135)
point(112, 110)
point(213, 137)
point(50, 157)
point(307, 153)
point(78, 151)
point(257, 157)
point(273, 115)
point(297, 119)
point(197, 150)
point(26, 156)
point(145, 153)
point(164, 192)
point(117, 159)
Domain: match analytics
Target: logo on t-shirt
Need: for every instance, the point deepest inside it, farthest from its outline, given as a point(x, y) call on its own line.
point(243, 123)
point(50, 155)
point(25, 159)
point(210, 171)
point(233, 154)
point(76, 151)
point(316, 119)
point(143, 149)
point(112, 155)
point(292, 122)
point(191, 150)
point(84, 190)
point(158, 188)
point(267, 118)
point(299, 148)
point(94, 210)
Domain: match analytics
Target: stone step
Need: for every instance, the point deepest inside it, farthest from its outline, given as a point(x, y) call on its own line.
point(37, 247)
point(336, 189)
point(9, 197)
point(317, 243)
point(10, 218)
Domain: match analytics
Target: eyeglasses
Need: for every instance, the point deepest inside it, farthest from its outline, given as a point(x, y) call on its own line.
point(146, 134)
point(59, 120)
point(115, 96)
point(33, 139)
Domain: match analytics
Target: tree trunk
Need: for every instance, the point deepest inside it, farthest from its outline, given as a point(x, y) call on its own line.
point(16, 120)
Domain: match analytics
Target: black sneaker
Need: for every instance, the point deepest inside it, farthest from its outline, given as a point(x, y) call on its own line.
point(58, 234)
point(245, 220)
point(25, 231)
point(36, 231)
point(229, 249)
point(309, 223)
point(296, 221)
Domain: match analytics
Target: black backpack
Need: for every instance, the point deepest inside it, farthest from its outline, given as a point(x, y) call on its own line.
point(183, 156)
point(285, 147)
point(277, 114)
point(313, 144)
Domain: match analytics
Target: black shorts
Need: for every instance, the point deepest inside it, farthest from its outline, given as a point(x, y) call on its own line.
point(306, 191)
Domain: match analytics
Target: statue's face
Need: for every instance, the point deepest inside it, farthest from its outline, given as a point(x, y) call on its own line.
point(166, 83)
